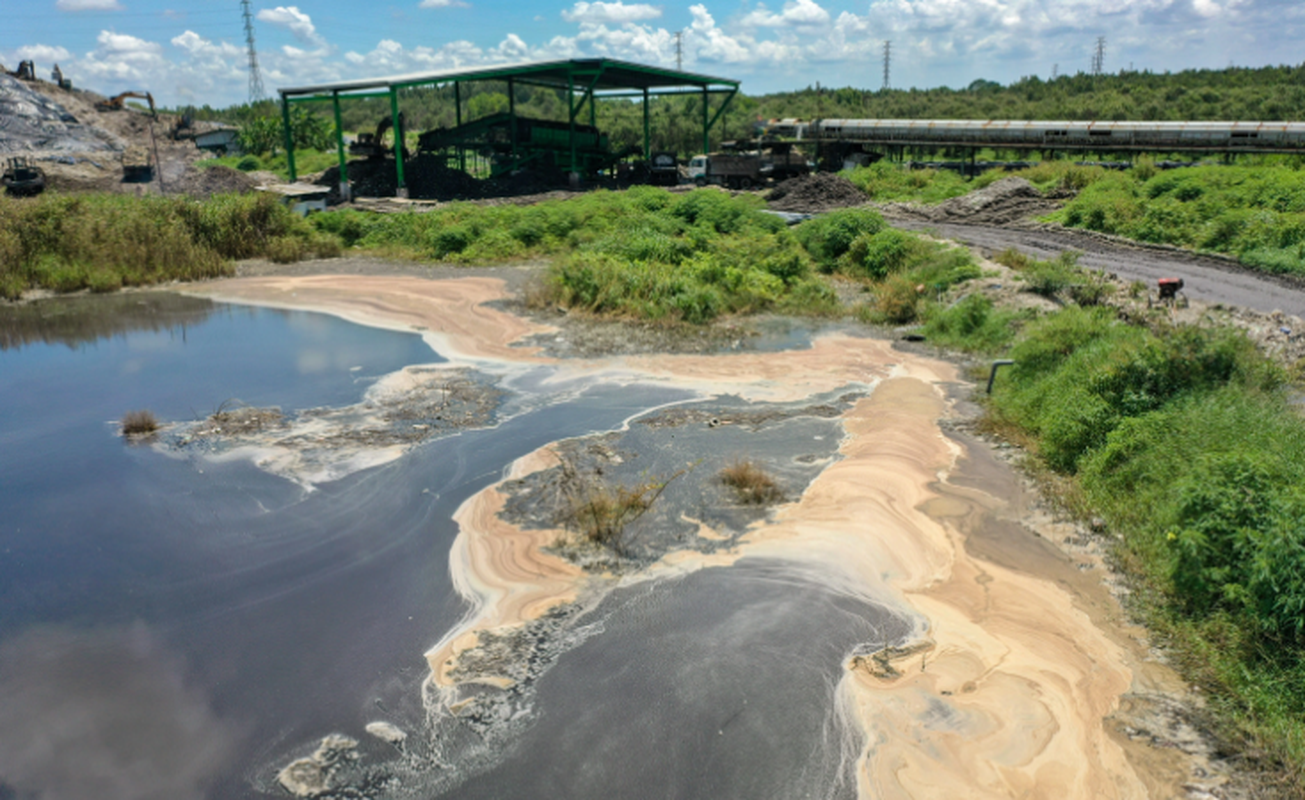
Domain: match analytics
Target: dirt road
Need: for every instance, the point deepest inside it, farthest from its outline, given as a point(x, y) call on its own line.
point(1207, 279)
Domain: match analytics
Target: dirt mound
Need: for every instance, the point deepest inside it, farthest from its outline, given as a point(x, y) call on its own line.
point(821, 191)
point(205, 183)
point(429, 179)
point(1007, 201)
point(32, 122)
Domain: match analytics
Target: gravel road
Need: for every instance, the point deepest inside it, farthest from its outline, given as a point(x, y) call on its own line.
point(1207, 279)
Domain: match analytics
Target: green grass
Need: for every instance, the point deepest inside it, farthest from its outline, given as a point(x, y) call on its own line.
point(105, 242)
point(307, 162)
point(642, 254)
point(1183, 439)
point(1254, 213)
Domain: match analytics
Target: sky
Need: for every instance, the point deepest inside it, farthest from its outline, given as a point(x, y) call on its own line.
point(194, 51)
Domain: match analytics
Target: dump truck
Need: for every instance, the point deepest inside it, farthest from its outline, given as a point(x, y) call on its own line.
point(746, 164)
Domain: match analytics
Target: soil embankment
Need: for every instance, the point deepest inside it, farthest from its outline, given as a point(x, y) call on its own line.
point(1016, 671)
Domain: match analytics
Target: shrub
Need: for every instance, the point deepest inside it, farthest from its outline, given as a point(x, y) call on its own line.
point(751, 484)
point(829, 236)
point(880, 254)
point(973, 323)
point(138, 423)
point(249, 164)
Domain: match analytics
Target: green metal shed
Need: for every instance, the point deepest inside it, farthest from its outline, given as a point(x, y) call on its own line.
point(584, 80)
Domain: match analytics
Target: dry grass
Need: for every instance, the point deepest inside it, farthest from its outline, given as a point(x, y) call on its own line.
point(139, 423)
point(600, 512)
point(750, 483)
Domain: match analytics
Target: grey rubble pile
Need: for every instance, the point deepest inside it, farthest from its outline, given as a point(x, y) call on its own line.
point(31, 122)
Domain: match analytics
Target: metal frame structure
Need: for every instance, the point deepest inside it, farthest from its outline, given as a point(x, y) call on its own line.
point(584, 80)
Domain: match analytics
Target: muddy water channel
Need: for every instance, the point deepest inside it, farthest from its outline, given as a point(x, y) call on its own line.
point(351, 564)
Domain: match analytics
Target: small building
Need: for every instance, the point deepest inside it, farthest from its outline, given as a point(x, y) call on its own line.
point(223, 141)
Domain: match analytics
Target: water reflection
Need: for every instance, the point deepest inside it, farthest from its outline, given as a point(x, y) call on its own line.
point(74, 321)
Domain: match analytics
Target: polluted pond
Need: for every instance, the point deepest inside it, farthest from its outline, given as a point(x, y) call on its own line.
point(428, 554)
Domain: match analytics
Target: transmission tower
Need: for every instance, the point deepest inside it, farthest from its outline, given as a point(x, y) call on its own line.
point(256, 92)
point(1055, 71)
point(888, 60)
point(1099, 56)
point(679, 51)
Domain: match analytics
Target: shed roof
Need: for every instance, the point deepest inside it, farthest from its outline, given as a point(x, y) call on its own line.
point(604, 74)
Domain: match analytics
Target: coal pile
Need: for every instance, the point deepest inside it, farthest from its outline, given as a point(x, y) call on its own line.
point(206, 182)
point(820, 191)
point(30, 121)
point(429, 179)
point(1005, 202)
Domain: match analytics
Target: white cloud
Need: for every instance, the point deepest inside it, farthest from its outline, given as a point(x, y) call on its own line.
point(88, 5)
point(198, 46)
point(443, 4)
point(797, 13)
point(41, 53)
point(618, 13)
point(292, 19)
point(125, 45)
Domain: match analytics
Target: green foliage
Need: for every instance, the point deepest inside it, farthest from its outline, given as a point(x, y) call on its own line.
point(1185, 442)
point(1254, 213)
point(973, 324)
point(104, 242)
point(887, 181)
point(829, 236)
point(265, 135)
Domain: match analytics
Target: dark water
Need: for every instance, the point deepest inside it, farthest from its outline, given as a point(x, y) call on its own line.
point(199, 621)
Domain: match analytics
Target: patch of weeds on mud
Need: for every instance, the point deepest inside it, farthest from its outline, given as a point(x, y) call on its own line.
point(629, 498)
point(752, 485)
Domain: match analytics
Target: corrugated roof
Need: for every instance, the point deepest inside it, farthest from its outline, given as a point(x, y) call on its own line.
point(610, 74)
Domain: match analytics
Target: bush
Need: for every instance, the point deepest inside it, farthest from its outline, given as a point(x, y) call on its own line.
point(880, 254)
point(249, 164)
point(973, 323)
point(138, 423)
point(829, 236)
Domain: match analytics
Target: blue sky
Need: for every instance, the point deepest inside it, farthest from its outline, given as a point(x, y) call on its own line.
point(194, 52)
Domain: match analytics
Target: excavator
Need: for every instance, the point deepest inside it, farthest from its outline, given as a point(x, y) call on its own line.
point(373, 145)
point(115, 103)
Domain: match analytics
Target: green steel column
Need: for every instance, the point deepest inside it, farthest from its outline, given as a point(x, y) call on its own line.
point(339, 149)
point(512, 118)
point(570, 105)
point(457, 120)
point(647, 139)
point(402, 191)
point(706, 124)
point(289, 138)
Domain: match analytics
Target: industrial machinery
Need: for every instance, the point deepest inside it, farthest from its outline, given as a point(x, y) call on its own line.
point(838, 139)
point(21, 178)
point(116, 103)
point(56, 75)
point(536, 143)
point(372, 145)
point(137, 166)
point(26, 71)
point(663, 170)
point(749, 163)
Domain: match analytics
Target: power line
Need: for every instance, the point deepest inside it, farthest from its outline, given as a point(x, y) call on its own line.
point(1099, 56)
point(888, 60)
point(255, 79)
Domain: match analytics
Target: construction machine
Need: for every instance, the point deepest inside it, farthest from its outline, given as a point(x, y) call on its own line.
point(59, 80)
point(116, 103)
point(372, 145)
point(21, 178)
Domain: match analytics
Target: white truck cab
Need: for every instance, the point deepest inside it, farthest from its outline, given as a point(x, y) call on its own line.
point(698, 171)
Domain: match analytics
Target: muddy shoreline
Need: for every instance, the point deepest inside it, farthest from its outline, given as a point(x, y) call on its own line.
point(984, 539)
